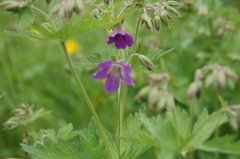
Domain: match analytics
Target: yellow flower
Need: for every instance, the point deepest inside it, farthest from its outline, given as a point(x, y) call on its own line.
point(72, 46)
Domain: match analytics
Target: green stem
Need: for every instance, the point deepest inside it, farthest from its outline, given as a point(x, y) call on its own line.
point(136, 35)
point(119, 129)
point(89, 103)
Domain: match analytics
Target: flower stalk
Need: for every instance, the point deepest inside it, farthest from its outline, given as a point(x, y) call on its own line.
point(89, 103)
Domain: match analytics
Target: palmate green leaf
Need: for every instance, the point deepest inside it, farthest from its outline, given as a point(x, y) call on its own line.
point(173, 134)
point(205, 126)
point(226, 144)
point(92, 145)
point(57, 29)
point(177, 118)
point(133, 150)
point(65, 143)
point(55, 150)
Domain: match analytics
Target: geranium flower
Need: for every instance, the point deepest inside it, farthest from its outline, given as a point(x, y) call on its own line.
point(114, 73)
point(121, 38)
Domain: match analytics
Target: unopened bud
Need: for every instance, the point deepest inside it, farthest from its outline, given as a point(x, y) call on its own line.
point(174, 3)
point(157, 22)
point(65, 8)
point(145, 19)
point(230, 73)
point(164, 18)
point(153, 96)
point(194, 89)
point(143, 92)
point(14, 5)
point(222, 79)
point(146, 62)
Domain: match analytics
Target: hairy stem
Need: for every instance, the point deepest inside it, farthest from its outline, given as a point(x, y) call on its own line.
point(136, 35)
point(89, 103)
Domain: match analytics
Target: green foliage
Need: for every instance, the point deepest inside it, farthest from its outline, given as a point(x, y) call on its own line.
point(51, 150)
point(24, 116)
point(66, 143)
point(58, 29)
point(174, 134)
point(226, 144)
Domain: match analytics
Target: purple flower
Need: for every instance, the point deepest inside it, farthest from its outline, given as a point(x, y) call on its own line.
point(121, 38)
point(114, 72)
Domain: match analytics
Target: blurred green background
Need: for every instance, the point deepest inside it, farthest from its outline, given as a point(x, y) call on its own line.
point(35, 72)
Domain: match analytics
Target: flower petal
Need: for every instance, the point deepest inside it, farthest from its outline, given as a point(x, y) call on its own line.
point(110, 40)
point(112, 83)
point(128, 79)
point(113, 33)
point(105, 64)
point(101, 74)
point(120, 42)
point(122, 32)
point(126, 67)
point(129, 39)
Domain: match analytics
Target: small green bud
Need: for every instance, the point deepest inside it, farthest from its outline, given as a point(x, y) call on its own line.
point(157, 22)
point(65, 8)
point(174, 3)
point(153, 96)
point(14, 5)
point(194, 89)
point(145, 19)
point(143, 92)
point(164, 18)
point(146, 62)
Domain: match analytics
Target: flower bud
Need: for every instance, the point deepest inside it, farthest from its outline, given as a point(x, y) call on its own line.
point(194, 89)
point(65, 8)
point(230, 73)
point(157, 22)
point(174, 3)
point(146, 62)
point(143, 92)
point(153, 96)
point(164, 18)
point(145, 19)
point(14, 5)
point(222, 79)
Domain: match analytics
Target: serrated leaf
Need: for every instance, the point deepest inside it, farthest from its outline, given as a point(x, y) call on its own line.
point(226, 144)
point(55, 150)
point(204, 128)
point(92, 144)
point(67, 132)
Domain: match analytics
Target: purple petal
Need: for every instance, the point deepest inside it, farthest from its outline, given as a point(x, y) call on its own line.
point(105, 64)
point(101, 74)
point(120, 42)
point(129, 39)
point(126, 67)
point(128, 79)
point(110, 40)
point(113, 33)
point(112, 83)
point(122, 32)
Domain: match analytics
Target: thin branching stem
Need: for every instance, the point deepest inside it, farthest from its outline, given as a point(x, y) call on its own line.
point(89, 103)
